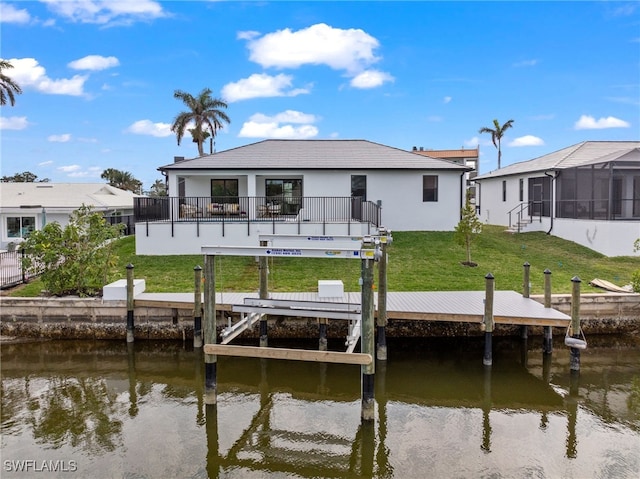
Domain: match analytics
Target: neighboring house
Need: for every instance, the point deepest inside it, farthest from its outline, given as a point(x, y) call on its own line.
point(25, 207)
point(463, 156)
point(588, 193)
point(304, 187)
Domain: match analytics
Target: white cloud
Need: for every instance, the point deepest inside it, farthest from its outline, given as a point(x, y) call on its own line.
point(27, 73)
point(147, 127)
point(263, 126)
point(587, 122)
point(527, 140)
point(10, 14)
point(447, 99)
point(526, 63)
point(59, 138)
point(94, 63)
point(472, 142)
point(247, 35)
point(288, 116)
point(351, 50)
point(104, 12)
point(371, 79)
point(46, 163)
point(69, 168)
point(13, 122)
point(260, 85)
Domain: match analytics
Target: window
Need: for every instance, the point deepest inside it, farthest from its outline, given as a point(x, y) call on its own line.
point(359, 187)
point(504, 190)
point(224, 190)
point(286, 193)
point(429, 188)
point(20, 226)
point(521, 190)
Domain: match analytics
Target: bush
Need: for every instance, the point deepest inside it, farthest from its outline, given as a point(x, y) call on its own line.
point(76, 259)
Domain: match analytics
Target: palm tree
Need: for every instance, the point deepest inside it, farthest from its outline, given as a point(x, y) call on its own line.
point(8, 87)
point(203, 110)
point(122, 179)
point(496, 135)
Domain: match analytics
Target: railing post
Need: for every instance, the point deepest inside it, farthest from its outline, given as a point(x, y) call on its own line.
point(547, 342)
point(487, 359)
point(130, 325)
point(197, 310)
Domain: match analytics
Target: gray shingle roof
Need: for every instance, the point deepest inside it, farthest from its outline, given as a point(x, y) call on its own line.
point(585, 153)
point(315, 154)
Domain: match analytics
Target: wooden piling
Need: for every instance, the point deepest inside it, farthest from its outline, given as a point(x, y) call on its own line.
point(210, 360)
point(487, 359)
point(264, 294)
point(368, 340)
point(381, 350)
point(547, 341)
point(130, 304)
point(526, 287)
point(574, 361)
point(197, 310)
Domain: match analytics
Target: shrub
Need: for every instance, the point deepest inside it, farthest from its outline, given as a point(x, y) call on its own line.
point(76, 259)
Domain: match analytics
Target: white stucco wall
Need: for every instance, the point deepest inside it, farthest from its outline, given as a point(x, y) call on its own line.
point(611, 238)
point(400, 192)
point(489, 197)
point(186, 240)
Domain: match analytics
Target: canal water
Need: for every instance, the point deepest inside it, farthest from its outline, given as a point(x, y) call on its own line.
point(74, 409)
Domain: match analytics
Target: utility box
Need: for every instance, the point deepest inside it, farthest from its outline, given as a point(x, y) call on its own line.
point(330, 288)
point(117, 291)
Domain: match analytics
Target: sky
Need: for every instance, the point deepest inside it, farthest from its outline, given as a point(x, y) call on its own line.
point(98, 77)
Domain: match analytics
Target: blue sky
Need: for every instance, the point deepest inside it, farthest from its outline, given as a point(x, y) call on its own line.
point(98, 77)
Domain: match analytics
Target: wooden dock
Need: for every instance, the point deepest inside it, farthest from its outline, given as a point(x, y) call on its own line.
point(509, 307)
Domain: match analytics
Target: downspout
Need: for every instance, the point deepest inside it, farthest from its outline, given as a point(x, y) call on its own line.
point(552, 206)
point(463, 196)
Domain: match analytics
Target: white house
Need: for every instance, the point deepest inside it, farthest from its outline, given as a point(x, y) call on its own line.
point(306, 187)
point(588, 193)
point(25, 207)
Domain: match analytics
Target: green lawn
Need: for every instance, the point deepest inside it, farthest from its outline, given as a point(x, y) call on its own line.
point(418, 261)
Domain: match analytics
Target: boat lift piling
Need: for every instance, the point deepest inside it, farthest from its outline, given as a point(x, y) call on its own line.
point(197, 309)
point(488, 323)
point(130, 304)
point(210, 360)
point(526, 288)
point(547, 341)
point(381, 323)
point(264, 294)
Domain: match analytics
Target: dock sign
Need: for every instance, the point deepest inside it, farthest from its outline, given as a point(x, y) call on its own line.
point(284, 252)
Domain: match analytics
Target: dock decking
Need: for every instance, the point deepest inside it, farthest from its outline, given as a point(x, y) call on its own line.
point(509, 307)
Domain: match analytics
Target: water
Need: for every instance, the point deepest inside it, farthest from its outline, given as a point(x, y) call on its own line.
point(103, 410)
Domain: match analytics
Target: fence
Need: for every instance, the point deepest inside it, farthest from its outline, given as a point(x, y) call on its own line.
point(11, 271)
point(256, 208)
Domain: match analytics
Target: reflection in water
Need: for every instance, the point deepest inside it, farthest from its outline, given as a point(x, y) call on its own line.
point(137, 410)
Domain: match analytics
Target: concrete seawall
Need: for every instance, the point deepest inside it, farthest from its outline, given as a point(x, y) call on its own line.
point(93, 318)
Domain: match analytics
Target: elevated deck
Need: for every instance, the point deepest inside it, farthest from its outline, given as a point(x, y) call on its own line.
point(457, 306)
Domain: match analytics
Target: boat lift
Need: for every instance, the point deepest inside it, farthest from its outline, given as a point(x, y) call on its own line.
point(362, 324)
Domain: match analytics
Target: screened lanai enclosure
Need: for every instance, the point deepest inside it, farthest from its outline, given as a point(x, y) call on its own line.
point(607, 190)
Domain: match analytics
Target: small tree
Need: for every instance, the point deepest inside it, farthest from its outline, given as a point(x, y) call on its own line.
point(77, 259)
point(635, 276)
point(468, 227)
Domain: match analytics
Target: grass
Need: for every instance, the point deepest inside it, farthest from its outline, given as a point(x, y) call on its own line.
point(418, 261)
